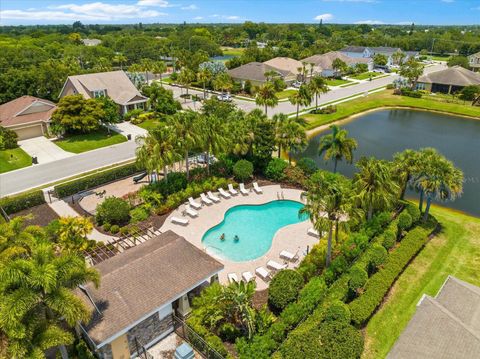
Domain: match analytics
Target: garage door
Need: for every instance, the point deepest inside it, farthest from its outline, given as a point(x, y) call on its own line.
point(29, 132)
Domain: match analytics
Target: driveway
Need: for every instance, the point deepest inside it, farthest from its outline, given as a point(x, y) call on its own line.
point(44, 149)
point(126, 128)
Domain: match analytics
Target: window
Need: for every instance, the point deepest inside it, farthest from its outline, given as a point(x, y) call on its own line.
point(99, 93)
point(420, 86)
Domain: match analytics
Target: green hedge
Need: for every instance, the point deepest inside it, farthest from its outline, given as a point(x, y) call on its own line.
point(94, 180)
point(284, 289)
point(378, 285)
point(14, 204)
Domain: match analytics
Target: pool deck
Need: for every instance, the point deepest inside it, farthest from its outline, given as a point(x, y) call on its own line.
point(293, 237)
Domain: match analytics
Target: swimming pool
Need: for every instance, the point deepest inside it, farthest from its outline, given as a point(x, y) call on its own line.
point(255, 226)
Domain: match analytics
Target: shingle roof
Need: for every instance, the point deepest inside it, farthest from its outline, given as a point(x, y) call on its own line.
point(119, 87)
point(354, 49)
point(384, 50)
point(285, 64)
point(25, 109)
point(254, 71)
point(456, 76)
point(137, 282)
point(325, 61)
point(446, 326)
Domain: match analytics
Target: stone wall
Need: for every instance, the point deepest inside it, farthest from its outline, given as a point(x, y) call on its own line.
point(148, 330)
point(105, 352)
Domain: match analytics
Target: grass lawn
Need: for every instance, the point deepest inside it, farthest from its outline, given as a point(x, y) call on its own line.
point(90, 141)
point(285, 94)
point(149, 124)
point(439, 58)
point(388, 99)
point(13, 159)
point(366, 75)
point(455, 251)
point(233, 51)
point(336, 82)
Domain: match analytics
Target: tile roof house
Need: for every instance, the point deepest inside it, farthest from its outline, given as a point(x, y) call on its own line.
point(255, 73)
point(114, 84)
point(450, 80)
point(139, 291)
point(323, 64)
point(474, 61)
point(28, 116)
point(443, 327)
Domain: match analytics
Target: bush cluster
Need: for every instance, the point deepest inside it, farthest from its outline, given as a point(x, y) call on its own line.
point(413, 211)
point(214, 341)
point(358, 278)
point(95, 180)
point(405, 91)
point(389, 239)
point(325, 110)
point(338, 311)
point(378, 285)
point(377, 258)
point(275, 168)
point(284, 289)
point(8, 139)
point(243, 170)
point(113, 210)
point(307, 165)
point(20, 202)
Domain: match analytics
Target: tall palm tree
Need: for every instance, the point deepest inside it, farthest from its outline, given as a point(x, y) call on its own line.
point(223, 82)
point(119, 59)
point(158, 68)
point(73, 231)
point(338, 146)
point(266, 96)
point(238, 301)
point(37, 299)
point(406, 165)
point(328, 201)
point(146, 65)
point(187, 130)
point(213, 136)
point(301, 97)
point(318, 86)
point(186, 77)
point(425, 156)
point(375, 186)
point(204, 75)
point(291, 136)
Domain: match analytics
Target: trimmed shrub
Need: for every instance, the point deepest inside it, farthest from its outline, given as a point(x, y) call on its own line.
point(243, 170)
point(284, 289)
point(223, 167)
point(95, 180)
point(8, 139)
point(294, 175)
point(338, 266)
point(405, 91)
point(307, 165)
point(106, 227)
point(389, 239)
point(275, 168)
point(229, 332)
point(113, 210)
point(377, 257)
point(414, 212)
point(20, 202)
point(358, 278)
point(378, 285)
point(404, 221)
point(139, 214)
point(176, 181)
point(114, 229)
point(338, 312)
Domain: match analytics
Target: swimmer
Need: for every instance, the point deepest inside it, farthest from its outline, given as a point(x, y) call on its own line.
point(222, 237)
point(236, 239)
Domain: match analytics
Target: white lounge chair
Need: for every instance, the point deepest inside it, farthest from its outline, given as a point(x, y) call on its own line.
point(194, 204)
point(224, 193)
point(232, 190)
point(190, 211)
point(232, 277)
point(205, 199)
point(289, 256)
point(243, 190)
point(247, 276)
point(213, 197)
point(256, 188)
point(275, 265)
point(313, 232)
point(263, 273)
point(177, 220)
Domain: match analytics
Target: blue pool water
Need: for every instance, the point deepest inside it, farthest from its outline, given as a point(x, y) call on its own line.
point(255, 226)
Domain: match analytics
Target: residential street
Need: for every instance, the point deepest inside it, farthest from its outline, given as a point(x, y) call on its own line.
point(42, 174)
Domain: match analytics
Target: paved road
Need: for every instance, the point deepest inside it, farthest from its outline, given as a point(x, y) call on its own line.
point(42, 174)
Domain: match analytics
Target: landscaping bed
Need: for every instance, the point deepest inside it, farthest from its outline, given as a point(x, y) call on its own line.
point(41, 215)
point(13, 159)
point(90, 141)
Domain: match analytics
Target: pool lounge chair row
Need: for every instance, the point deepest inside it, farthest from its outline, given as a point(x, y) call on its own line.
point(262, 272)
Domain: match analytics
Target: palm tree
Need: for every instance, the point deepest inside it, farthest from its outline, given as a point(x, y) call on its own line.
point(338, 146)
point(186, 77)
point(158, 68)
point(328, 201)
point(425, 156)
point(204, 75)
point(238, 301)
point(187, 132)
point(266, 96)
point(301, 97)
point(375, 187)
point(223, 82)
point(37, 299)
point(318, 86)
point(213, 136)
point(291, 136)
point(119, 59)
point(146, 65)
point(73, 231)
point(406, 165)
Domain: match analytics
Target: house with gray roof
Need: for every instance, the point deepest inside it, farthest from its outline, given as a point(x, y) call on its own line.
point(113, 84)
point(474, 61)
point(323, 64)
point(370, 52)
point(140, 291)
point(450, 80)
point(443, 327)
point(255, 73)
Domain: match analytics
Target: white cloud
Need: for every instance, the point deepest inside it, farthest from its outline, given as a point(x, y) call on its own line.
point(198, 18)
point(227, 17)
point(370, 22)
point(158, 3)
point(324, 17)
point(404, 23)
point(189, 7)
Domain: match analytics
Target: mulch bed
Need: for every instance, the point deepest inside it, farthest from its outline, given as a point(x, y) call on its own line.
point(260, 298)
point(41, 215)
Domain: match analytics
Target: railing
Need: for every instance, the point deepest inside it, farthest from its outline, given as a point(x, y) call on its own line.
point(141, 351)
point(195, 340)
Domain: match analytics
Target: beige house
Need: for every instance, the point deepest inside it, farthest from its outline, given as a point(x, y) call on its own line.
point(474, 61)
point(294, 67)
point(28, 116)
point(450, 80)
point(140, 292)
point(323, 64)
point(255, 73)
point(114, 84)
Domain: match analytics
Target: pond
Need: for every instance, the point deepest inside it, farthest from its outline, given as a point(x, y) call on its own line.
point(385, 132)
point(222, 58)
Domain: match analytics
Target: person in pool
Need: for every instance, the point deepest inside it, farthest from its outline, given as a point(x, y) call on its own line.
point(236, 239)
point(222, 237)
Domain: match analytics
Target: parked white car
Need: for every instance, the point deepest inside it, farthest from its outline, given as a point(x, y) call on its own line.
point(225, 97)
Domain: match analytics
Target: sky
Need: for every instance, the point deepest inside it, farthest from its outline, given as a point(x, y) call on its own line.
point(428, 12)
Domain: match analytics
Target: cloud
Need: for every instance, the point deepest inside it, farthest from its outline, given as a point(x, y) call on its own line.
point(227, 17)
point(324, 17)
point(158, 3)
point(369, 22)
point(189, 7)
point(198, 18)
point(96, 11)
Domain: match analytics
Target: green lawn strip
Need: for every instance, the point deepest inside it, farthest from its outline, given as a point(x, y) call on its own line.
point(285, 94)
point(387, 99)
point(90, 141)
point(454, 251)
point(336, 82)
point(233, 51)
point(366, 75)
point(148, 124)
point(439, 58)
point(13, 159)
point(350, 84)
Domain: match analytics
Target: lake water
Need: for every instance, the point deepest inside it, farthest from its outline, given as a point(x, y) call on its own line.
point(222, 58)
point(383, 133)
